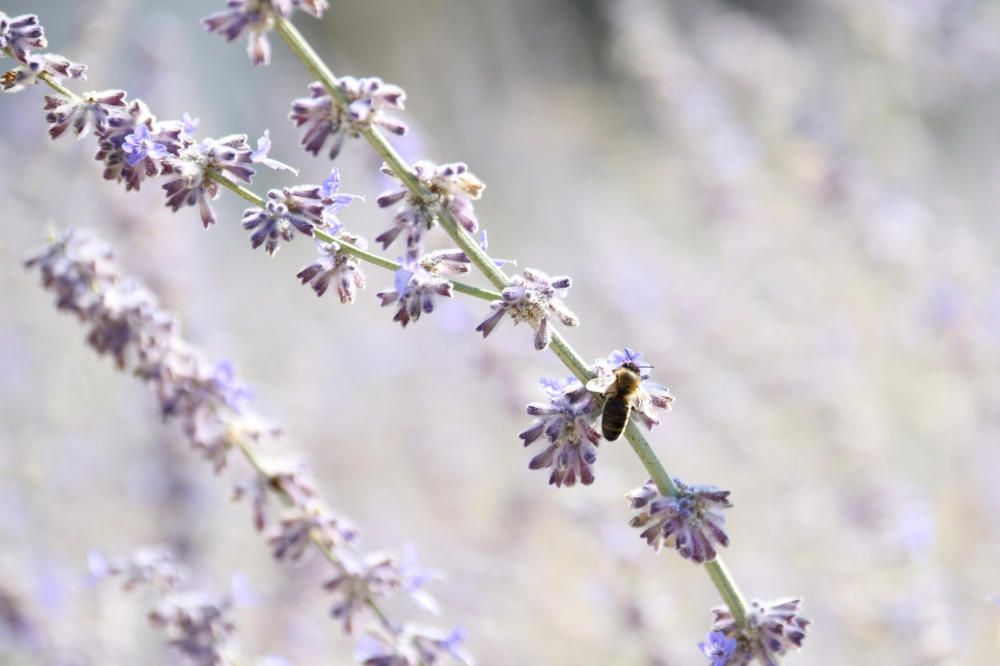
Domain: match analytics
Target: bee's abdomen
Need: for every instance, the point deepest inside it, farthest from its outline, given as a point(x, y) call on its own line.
point(616, 411)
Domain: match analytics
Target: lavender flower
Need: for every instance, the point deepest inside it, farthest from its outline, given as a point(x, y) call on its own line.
point(415, 290)
point(90, 112)
point(125, 322)
point(771, 629)
point(412, 645)
point(300, 208)
point(566, 422)
point(650, 395)
point(140, 146)
point(451, 187)
point(306, 525)
point(287, 478)
point(532, 296)
point(336, 266)
point(690, 521)
point(719, 648)
point(325, 119)
point(21, 33)
point(360, 581)
point(189, 170)
point(256, 17)
point(259, 156)
point(55, 66)
point(198, 627)
point(154, 566)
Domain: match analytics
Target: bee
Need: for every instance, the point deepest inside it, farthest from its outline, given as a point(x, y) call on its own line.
point(619, 397)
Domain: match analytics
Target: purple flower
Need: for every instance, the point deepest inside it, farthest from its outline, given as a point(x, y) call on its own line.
point(188, 181)
point(300, 208)
point(691, 521)
point(140, 145)
point(412, 645)
point(287, 478)
point(771, 629)
point(325, 120)
point(415, 290)
point(256, 17)
point(565, 421)
point(306, 525)
point(21, 33)
point(91, 112)
point(359, 582)
point(149, 566)
point(719, 648)
point(336, 266)
point(650, 395)
point(26, 74)
point(451, 187)
point(532, 296)
point(198, 627)
point(113, 148)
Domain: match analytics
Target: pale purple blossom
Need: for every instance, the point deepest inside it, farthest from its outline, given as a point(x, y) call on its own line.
point(325, 120)
point(88, 113)
point(259, 156)
point(565, 421)
point(256, 18)
point(412, 645)
point(188, 172)
point(532, 297)
point(415, 290)
point(690, 522)
point(55, 66)
point(20, 34)
point(305, 525)
point(337, 267)
point(719, 648)
point(771, 629)
point(450, 187)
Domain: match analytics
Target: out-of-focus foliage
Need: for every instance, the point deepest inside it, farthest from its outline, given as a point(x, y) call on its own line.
point(788, 207)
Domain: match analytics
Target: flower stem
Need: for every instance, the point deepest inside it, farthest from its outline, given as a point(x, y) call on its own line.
point(720, 576)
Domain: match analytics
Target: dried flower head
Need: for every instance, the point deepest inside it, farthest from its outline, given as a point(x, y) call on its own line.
point(772, 628)
point(690, 522)
point(325, 120)
point(565, 421)
point(336, 266)
point(256, 18)
point(26, 74)
point(451, 187)
point(649, 397)
point(532, 297)
point(20, 34)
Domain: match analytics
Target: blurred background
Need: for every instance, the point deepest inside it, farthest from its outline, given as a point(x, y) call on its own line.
point(789, 207)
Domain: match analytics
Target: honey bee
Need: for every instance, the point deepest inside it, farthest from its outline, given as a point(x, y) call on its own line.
point(619, 397)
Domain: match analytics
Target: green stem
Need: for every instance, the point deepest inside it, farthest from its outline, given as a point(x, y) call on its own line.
point(720, 576)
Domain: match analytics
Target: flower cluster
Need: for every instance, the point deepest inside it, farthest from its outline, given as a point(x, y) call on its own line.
point(411, 646)
point(771, 629)
point(565, 421)
point(26, 74)
point(450, 187)
point(20, 34)
point(647, 398)
point(532, 297)
point(335, 265)
point(197, 626)
point(326, 119)
point(125, 322)
point(690, 521)
point(256, 18)
point(301, 208)
point(418, 283)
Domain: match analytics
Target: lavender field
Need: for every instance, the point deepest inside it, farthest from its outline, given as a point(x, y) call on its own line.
point(789, 209)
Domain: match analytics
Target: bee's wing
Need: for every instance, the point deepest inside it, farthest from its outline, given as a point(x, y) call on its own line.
point(600, 383)
point(642, 402)
point(658, 394)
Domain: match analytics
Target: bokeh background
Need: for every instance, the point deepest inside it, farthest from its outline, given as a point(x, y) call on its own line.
point(789, 207)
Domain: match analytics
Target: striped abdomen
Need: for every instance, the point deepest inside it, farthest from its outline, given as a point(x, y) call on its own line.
point(615, 417)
